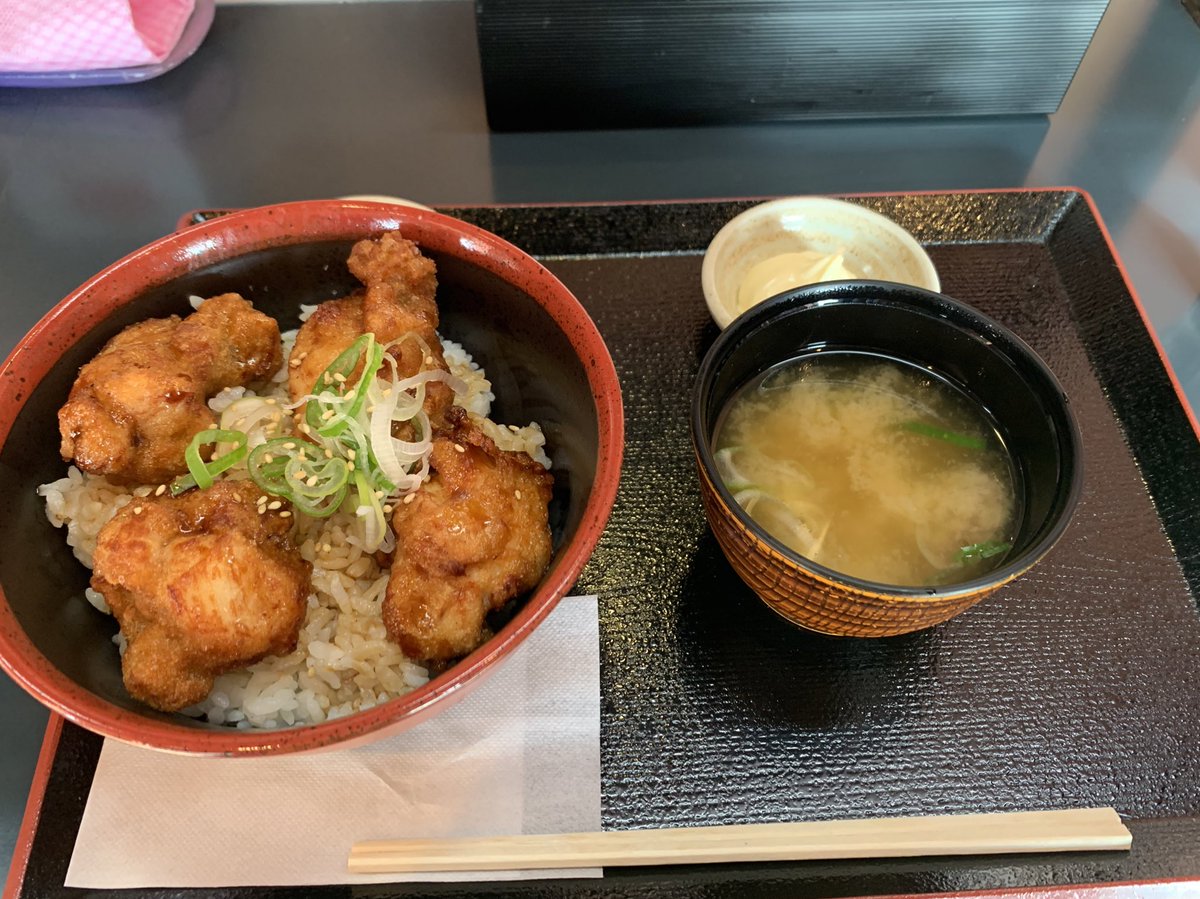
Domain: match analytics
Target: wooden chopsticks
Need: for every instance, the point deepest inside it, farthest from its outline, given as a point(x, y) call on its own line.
point(1069, 830)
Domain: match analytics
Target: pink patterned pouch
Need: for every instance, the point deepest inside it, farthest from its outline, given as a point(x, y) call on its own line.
point(80, 35)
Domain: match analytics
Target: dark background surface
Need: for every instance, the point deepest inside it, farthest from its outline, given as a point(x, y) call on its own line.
point(291, 102)
point(1075, 686)
point(553, 64)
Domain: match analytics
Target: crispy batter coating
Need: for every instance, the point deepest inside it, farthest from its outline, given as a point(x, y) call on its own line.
point(333, 326)
point(398, 298)
point(135, 407)
point(474, 536)
point(201, 584)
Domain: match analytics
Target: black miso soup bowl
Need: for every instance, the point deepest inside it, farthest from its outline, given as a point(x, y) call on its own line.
point(976, 354)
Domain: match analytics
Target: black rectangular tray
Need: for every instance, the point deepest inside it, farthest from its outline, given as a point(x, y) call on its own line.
point(1078, 685)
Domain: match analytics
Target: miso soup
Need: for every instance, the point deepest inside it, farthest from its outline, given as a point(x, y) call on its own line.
point(872, 467)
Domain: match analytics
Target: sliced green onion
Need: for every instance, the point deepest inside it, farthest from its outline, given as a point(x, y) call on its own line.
point(202, 474)
point(370, 510)
point(258, 417)
point(964, 440)
point(976, 552)
point(331, 407)
point(286, 465)
point(349, 445)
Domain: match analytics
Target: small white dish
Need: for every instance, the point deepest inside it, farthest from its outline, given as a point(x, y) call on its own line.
point(382, 198)
point(871, 245)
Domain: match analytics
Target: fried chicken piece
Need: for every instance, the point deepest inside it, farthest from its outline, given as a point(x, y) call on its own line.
point(333, 326)
point(134, 408)
point(201, 584)
point(474, 536)
point(398, 299)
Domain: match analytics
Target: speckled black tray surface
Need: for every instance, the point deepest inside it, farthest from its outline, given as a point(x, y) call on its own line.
point(1079, 685)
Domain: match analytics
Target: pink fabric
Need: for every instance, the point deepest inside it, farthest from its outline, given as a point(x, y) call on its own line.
point(79, 35)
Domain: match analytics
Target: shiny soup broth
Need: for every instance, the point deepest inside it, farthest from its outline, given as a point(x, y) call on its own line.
point(871, 467)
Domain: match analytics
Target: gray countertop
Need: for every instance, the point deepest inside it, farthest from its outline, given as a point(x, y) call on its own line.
point(287, 102)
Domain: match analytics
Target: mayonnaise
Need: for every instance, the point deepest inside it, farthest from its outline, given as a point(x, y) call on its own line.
point(788, 270)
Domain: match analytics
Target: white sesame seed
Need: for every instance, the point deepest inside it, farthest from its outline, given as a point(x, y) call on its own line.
point(517, 494)
point(328, 453)
point(275, 505)
point(327, 547)
point(408, 499)
point(285, 514)
point(268, 458)
point(162, 488)
point(329, 413)
point(350, 454)
point(513, 428)
point(460, 448)
point(270, 401)
point(137, 510)
point(294, 363)
point(387, 510)
point(349, 466)
point(429, 360)
point(339, 377)
point(289, 445)
point(312, 482)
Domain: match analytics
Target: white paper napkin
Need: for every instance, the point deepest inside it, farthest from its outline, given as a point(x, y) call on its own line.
point(521, 754)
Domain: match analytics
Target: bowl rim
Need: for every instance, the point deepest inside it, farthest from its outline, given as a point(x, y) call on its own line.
point(724, 316)
point(288, 224)
point(925, 302)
